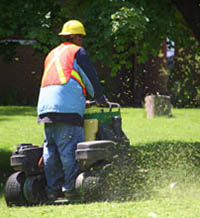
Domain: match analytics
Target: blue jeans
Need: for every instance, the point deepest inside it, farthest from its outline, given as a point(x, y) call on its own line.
point(59, 147)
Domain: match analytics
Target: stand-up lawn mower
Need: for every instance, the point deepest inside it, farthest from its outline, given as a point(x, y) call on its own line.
point(104, 139)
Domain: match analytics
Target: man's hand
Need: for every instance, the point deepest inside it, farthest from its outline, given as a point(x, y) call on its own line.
point(89, 103)
point(41, 162)
point(102, 103)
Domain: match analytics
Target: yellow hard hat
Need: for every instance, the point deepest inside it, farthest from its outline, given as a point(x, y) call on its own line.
point(72, 27)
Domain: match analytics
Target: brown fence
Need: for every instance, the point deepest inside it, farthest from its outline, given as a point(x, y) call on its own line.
point(20, 78)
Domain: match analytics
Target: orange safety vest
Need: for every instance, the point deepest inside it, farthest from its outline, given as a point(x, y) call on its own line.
point(58, 66)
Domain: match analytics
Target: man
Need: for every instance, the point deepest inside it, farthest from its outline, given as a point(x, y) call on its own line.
point(68, 75)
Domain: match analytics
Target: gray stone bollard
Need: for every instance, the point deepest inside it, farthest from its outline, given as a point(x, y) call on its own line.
point(158, 105)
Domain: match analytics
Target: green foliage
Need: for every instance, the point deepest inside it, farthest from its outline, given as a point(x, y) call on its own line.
point(128, 28)
point(116, 29)
point(30, 20)
point(184, 80)
point(124, 28)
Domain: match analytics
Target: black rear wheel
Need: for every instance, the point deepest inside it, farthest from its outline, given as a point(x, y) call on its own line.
point(14, 190)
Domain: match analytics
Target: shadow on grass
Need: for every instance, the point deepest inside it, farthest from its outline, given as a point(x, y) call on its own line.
point(17, 110)
point(5, 169)
point(146, 168)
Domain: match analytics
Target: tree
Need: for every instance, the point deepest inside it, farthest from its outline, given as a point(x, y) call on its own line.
point(120, 33)
point(191, 13)
point(126, 30)
point(184, 78)
point(28, 19)
point(113, 26)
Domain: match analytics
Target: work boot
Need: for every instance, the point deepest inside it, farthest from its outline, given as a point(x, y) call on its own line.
point(72, 196)
point(52, 197)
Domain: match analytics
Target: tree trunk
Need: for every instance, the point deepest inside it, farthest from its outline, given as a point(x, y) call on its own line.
point(191, 13)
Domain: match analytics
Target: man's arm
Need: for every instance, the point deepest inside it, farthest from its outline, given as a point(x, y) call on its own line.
point(84, 62)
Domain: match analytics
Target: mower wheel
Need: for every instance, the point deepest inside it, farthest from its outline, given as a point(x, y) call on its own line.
point(14, 190)
point(34, 189)
point(92, 188)
point(88, 186)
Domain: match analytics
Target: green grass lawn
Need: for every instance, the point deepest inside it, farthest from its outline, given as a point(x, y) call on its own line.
point(165, 152)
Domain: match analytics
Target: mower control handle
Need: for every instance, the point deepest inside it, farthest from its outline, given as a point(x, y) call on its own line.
point(112, 104)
